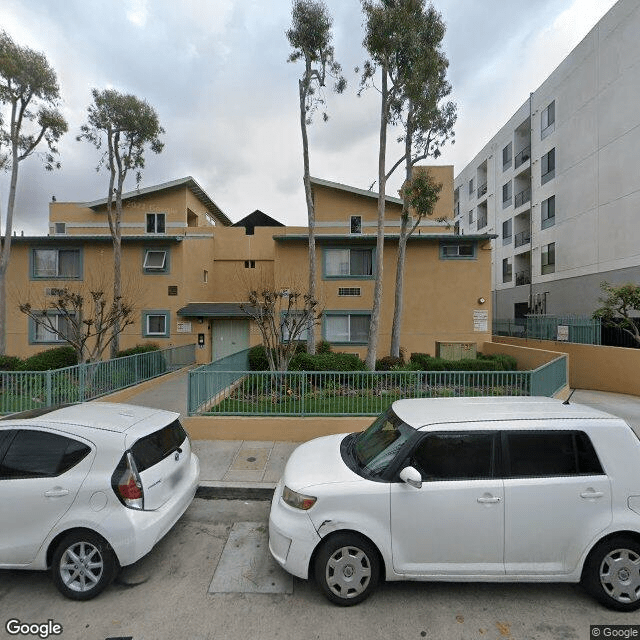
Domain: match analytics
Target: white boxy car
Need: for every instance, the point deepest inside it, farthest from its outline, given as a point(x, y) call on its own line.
point(473, 489)
point(89, 488)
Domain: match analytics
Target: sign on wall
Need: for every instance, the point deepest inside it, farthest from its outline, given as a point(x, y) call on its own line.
point(480, 320)
point(563, 332)
point(184, 327)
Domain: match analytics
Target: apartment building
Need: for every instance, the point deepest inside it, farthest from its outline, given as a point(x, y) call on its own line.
point(559, 183)
point(188, 270)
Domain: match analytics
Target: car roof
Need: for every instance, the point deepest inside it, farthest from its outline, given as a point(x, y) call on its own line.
point(421, 412)
point(104, 416)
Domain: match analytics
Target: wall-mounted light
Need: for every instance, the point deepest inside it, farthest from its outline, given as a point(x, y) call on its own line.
point(481, 300)
point(200, 320)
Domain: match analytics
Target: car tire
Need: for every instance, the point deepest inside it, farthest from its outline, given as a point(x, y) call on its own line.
point(611, 573)
point(83, 565)
point(347, 568)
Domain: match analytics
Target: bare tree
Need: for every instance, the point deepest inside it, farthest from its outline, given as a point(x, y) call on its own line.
point(83, 316)
point(29, 93)
point(310, 38)
point(281, 315)
point(126, 125)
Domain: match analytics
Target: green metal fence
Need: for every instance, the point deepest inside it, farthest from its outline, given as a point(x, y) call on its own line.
point(581, 329)
point(22, 390)
point(313, 393)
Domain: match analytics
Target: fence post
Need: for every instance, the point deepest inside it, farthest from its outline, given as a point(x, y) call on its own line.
point(48, 382)
point(82, 379)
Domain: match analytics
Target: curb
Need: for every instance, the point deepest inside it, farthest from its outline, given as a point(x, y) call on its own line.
point(234, 493)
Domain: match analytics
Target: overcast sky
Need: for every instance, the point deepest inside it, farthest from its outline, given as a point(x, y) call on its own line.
point(216, 72)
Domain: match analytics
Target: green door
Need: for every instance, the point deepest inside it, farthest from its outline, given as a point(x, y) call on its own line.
point(229, 337)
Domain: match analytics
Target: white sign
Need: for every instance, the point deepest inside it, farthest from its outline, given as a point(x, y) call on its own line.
point(184, 327)
point(480, 320)
point(563, 332)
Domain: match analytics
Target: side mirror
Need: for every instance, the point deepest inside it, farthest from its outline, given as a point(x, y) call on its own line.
point(411, 476)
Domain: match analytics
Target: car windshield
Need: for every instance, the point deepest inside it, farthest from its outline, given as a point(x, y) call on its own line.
point(376, 447)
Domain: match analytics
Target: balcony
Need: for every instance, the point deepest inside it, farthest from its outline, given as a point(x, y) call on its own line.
point(482, 221)
point(482, 189)
point(523, 277)
point(523, 156)
point(522, 197)
point(522, 238)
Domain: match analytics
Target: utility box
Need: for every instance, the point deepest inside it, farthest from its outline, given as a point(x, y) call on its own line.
point(456, 350)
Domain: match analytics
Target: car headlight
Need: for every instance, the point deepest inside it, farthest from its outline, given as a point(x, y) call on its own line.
point(297, 500)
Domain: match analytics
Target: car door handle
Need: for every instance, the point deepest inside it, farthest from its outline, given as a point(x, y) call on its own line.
point(58, 492)
point(591, 494)
point(489, 499)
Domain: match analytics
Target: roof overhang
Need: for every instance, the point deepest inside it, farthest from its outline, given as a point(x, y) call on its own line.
point(213, 310)
point(104, 237)
point(359, 192)
point(370, 238)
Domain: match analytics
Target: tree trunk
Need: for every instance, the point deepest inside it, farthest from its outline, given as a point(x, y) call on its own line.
point(117, 274)
point(374, 327)
point(311, 214)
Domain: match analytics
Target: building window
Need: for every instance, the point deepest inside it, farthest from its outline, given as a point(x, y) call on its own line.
point(507, 194)
point(507, 270)
point(43, 332)
point(155, 261)
point(56, 264)
point(471, 187)
point(155, 324)
point(249, 264)
point(471, 216)
point(348, 263)
point(350, 327)
point(356, 224)
point(482, 217)
point(155, 222)
point(548, 166)
point(507, 231)
point(548, 259)
point(60, 228)
point(548, 212)
point(205, 276)
point(548, 120)
point(457, 251)
point(290, 321)
point(507, 156)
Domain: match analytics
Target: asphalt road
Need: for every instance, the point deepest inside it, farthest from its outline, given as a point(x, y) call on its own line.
point(165, 597)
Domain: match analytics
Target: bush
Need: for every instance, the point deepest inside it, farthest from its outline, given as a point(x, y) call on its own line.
point(258, 358)
point(323, 347)
point(389, 363)
point(326, 362)
point(496, 362)
point(55, 358)
point(10, 363)
point(139, 348)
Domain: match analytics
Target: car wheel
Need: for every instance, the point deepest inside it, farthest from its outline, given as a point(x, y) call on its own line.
point(612, 573)
point(83, 565)
point(347, 569)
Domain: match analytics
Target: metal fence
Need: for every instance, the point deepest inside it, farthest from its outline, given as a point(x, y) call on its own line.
point(581, 329)
point(322, 393)
point(22, 390)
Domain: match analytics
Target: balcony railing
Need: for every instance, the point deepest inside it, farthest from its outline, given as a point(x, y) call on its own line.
point(523, 277)
point(522, 197)
point(523, 156)
point(482, 189)
point(522, 238)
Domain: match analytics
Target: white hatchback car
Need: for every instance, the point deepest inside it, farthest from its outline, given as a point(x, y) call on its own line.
point(89, 488)
point(473, 489)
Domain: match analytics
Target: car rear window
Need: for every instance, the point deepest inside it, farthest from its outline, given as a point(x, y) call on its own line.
point(40, 454)
point(155, 447)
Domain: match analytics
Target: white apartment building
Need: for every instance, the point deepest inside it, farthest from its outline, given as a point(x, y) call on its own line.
point(560, 182)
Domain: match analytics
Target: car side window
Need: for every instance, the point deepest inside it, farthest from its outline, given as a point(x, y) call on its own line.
point(551, 453)
point(456, 456)
point(40, 454)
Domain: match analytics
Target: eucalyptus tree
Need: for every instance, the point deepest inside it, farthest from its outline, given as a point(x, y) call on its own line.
point(29, 115)
point(122, 127)
point(310, 38)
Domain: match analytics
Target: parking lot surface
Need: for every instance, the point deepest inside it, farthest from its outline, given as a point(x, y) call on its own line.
point(166, 596)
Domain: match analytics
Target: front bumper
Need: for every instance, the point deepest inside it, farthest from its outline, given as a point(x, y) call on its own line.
point(292, 536)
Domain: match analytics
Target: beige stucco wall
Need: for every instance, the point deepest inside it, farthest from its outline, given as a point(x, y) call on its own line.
point(601, 368)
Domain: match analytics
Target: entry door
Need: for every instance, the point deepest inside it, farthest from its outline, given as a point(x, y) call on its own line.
point(229, 337)
point(454, 524)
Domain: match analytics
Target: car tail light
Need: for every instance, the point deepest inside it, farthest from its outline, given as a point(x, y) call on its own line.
point(126, 483)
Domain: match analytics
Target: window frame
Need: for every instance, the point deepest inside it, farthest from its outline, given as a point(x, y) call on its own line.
point(547, 266)
point(548, 159)
point(156, 217)
point(153, 270)
point(507, 274)
point(471, 190)
point(147, 314)
point(348, 313)
point(445, 256)
point(325, 256)
point(547, 220)
point(57, 248)
point(548, 120)
point(358, 225)
point(508, 162)
point(507, 239)
point(507, 194)
point(33, 328)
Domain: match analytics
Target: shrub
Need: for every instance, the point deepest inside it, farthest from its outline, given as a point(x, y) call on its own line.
point(326, 362)
point(10, 363)
point(55, 358)
point(497, 362)
point(258, 358)
point(323, 347)
point(389, 363)
point(139, 348)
